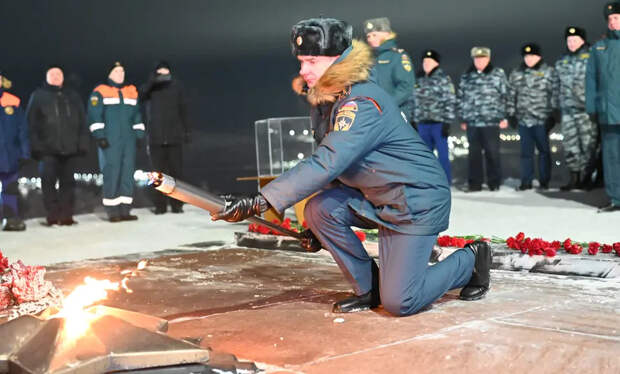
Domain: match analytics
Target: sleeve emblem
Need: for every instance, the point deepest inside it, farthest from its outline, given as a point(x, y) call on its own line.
point(345, 116)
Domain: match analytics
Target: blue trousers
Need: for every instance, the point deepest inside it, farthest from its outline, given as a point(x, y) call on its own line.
point(431, 134)
point(8, 197)
point(610, 142)
point(117, 162)
point(530, 137)
point(406, 282)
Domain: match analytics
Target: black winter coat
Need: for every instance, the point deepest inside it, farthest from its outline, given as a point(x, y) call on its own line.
point(165, 111)
point(56, 122)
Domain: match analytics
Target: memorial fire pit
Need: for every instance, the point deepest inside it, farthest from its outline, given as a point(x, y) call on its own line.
point(113, 340)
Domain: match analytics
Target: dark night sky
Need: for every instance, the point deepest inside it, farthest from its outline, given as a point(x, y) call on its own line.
point(234, 57)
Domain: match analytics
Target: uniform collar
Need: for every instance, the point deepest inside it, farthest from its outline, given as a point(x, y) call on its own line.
point(486, 70)
point(387, 44)
point(580, 50)
point(613, 34)
point(538, 65)
point(114, 84)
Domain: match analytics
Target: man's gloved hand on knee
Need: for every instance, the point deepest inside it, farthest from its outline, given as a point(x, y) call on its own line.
point(237, 210)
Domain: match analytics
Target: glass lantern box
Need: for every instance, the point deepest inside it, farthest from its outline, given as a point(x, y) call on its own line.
point(281, 143)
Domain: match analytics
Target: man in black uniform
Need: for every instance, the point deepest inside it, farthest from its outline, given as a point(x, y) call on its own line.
point(57, 120)
point(165, 115)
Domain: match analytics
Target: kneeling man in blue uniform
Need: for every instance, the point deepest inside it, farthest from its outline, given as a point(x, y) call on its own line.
point(370, 170)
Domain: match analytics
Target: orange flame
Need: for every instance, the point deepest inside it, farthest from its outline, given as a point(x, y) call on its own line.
point(77, 320)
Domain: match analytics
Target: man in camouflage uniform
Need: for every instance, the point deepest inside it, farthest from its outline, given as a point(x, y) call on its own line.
point(531, 106)
point(579, 132)
point(603, 101)
point(482, 107)
point(393, 69)
point(435, 100)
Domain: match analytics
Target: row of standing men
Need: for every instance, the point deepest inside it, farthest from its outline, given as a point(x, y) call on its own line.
point(52, 131)
point(533, 99)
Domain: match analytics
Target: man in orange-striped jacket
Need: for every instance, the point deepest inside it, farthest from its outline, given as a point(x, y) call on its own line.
point(116, 124)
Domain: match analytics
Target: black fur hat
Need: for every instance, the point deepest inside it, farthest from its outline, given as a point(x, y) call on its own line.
point(531, 49)
point(431, 53)
point(612, 8)
point(115, 65)
point(321, 37)
point(575, 31)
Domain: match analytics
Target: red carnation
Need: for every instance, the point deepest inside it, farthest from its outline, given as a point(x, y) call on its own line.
point(575, 249)
point(443, 241)
point(607, 248)
point(520, 237)
point(304, 225)
point(593, 248)
point(361, 235)
point(459, 242)
point(617, 248)
point(4, 263)
point(567, 244)
point(550, 252)
point(556, 244)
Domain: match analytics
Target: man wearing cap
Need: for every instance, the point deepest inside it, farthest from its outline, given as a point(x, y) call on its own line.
point(14, 150)
point(531, 110)
point(116, 124)
point(579, 133)
point(56, 120)
point(435, 107)
point(603, 101)
point(483, 108)
point(370, 170)
point(393, 67)
point(165, 114)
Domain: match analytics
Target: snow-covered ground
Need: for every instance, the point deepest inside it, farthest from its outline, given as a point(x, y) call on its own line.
point(503, 213)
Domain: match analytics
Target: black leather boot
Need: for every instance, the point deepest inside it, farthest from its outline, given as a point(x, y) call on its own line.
point(480, 280)
point(573, 182)
point(13, 224)
point(356, 303)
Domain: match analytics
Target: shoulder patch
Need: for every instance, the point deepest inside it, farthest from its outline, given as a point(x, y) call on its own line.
point(406, 62)
point(345, 116)
point(94, 100)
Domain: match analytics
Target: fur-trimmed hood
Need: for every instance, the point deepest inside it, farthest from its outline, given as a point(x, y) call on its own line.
point(352, 67)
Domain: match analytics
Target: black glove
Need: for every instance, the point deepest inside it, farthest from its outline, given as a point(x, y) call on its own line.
point(445, 129)
point(309, 242)
point(549, 124)
point(243, 208)
point(414, 124)
point(513, 122)
point(103, 143)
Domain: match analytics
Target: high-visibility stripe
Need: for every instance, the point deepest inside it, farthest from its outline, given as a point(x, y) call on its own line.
point(139, 126)
point(111, 100)
point(96, 126)
point(118, 200)
point(130, 101)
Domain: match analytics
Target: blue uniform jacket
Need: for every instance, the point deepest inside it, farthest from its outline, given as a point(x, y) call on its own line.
point(603, 80)
point(14, 143)
point(370, 148)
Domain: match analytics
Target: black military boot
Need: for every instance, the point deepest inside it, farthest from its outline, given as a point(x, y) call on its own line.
point(480, 280)
point(573, 182)
point(524, 186)
point(13, 224)
point(369, 300)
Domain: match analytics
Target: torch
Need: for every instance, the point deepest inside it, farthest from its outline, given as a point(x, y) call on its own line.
point(192, 195)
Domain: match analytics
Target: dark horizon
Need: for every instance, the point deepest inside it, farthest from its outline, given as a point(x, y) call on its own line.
point(234, 58)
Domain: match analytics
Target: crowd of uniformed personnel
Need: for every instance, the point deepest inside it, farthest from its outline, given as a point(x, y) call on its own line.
point(581, 91)
point(54, 127)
